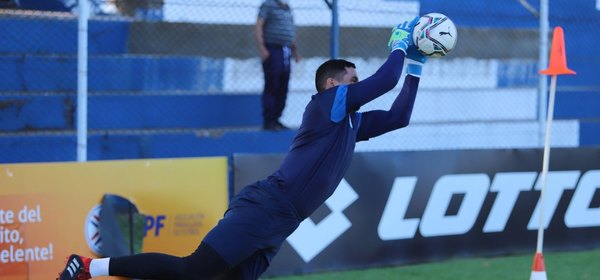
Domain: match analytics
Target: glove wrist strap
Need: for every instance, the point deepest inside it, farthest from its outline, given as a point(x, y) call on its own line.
point(414, 68)
point(399, 46)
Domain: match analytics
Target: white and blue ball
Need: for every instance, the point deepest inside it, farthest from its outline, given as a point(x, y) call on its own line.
point(435, 35)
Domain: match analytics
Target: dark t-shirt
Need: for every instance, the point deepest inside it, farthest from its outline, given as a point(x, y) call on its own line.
point(279, 24)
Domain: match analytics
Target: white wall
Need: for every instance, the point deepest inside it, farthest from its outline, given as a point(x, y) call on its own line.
point(376, 13)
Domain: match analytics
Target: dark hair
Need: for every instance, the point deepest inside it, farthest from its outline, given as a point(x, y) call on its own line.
point(333, 68)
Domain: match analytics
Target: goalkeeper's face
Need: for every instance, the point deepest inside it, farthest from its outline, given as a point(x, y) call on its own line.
point(345, 78)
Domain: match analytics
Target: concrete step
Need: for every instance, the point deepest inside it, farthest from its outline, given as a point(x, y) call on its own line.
point(129, 111)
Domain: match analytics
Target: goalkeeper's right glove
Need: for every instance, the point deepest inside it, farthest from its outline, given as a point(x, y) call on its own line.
point(414, 61)
point(401, 37)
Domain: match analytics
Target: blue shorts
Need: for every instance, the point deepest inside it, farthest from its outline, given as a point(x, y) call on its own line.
point(249, 235)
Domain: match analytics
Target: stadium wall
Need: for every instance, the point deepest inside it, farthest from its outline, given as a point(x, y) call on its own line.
point(402, 206)
point(398, 208)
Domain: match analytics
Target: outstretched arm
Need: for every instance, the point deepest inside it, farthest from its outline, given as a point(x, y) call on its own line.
point(384, 80)
point(375, 123)
point(388, 74)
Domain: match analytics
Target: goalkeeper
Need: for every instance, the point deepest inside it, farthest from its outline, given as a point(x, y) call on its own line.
point(262, 215)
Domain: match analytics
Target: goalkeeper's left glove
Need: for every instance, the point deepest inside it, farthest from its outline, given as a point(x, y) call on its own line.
point(414, 61)
point(401, 37)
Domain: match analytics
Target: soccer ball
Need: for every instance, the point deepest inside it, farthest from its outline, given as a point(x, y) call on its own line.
point(434, 35)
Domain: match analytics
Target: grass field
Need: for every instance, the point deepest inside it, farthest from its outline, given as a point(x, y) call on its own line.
point(567, 265)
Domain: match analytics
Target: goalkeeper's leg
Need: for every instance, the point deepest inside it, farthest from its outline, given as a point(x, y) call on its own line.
point(204, 263)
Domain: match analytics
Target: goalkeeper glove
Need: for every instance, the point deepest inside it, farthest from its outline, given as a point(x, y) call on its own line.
point(414, 61)
point(401, 37)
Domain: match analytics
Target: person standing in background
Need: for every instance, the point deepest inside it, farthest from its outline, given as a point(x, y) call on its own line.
point(275, 35)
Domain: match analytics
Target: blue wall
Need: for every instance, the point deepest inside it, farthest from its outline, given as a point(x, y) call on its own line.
point(56, 36)
point(511, 14)
point(129, 111)
point(46, 5)
point(45, 60)
point(62, 147)
point(107, 73)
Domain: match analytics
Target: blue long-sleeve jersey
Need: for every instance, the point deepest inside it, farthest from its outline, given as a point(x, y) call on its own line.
point(322, 150)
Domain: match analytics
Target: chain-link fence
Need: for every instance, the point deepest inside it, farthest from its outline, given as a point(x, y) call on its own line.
point(165, 65)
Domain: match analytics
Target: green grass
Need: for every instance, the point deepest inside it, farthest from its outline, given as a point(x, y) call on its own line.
point(567, 265)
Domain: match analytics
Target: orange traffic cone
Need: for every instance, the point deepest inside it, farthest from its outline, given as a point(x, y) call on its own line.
point(538, 271)
point(558, 56)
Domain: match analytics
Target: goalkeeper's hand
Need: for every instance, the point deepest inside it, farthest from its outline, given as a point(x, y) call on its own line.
point(401, 37)
point(414, 61)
